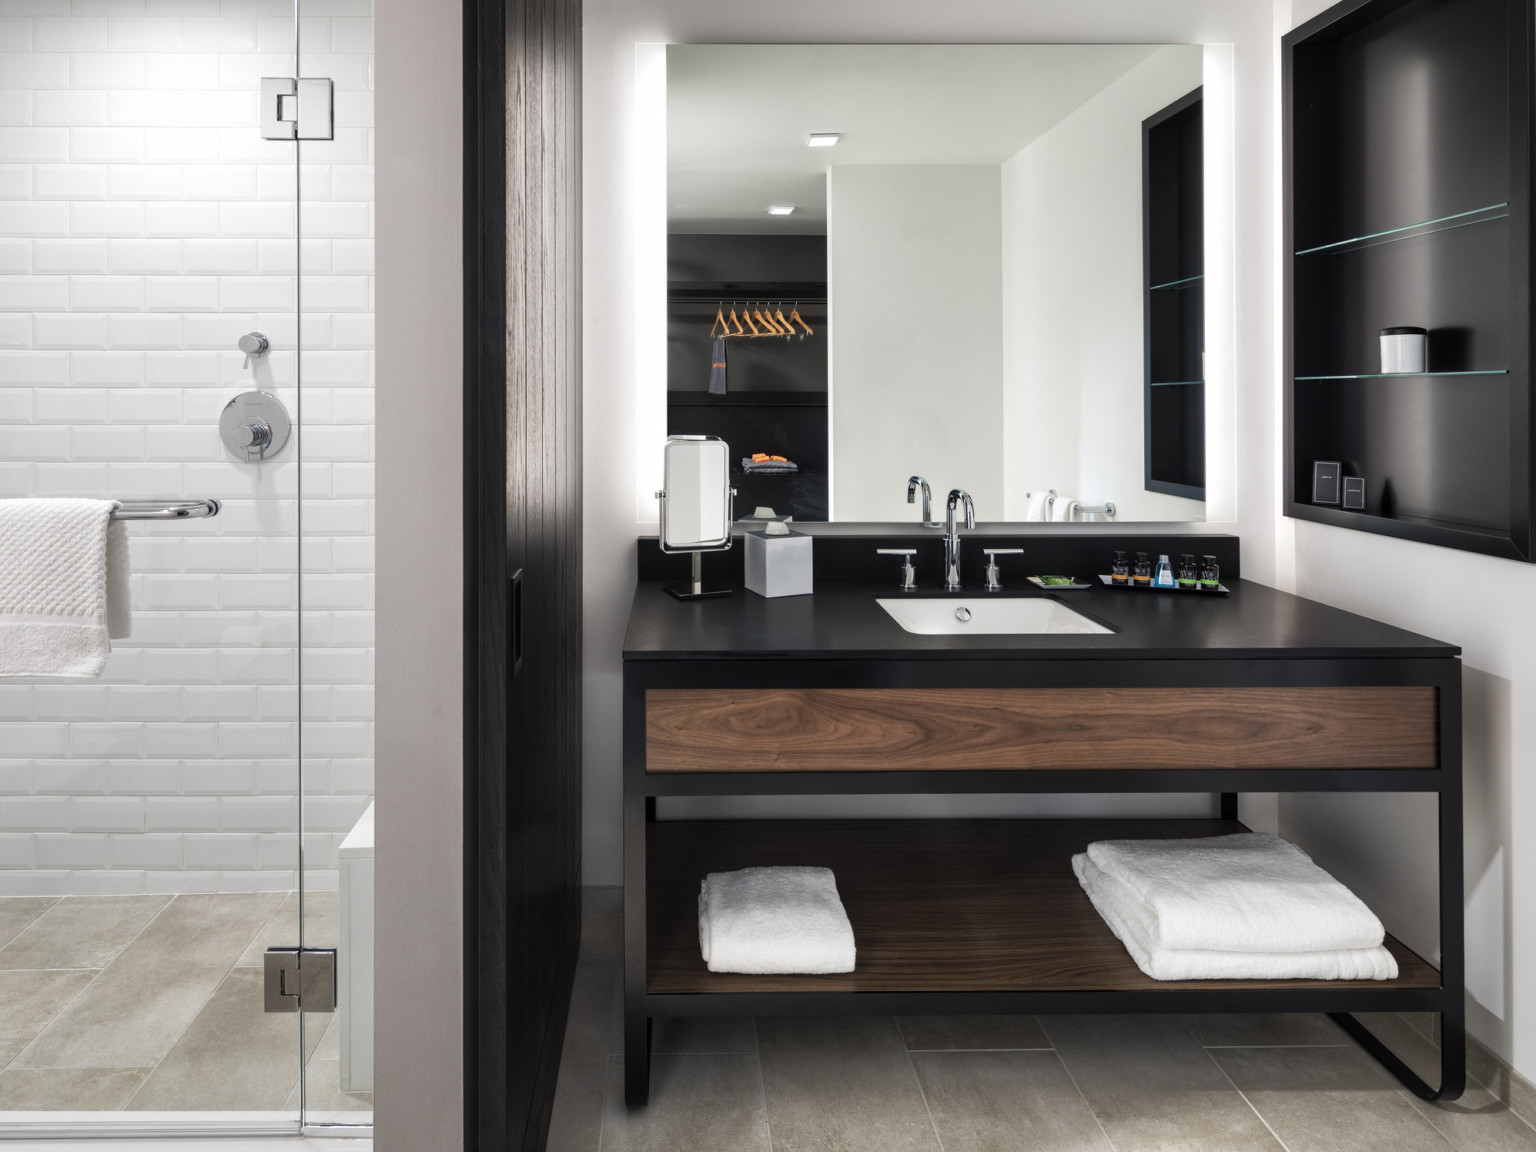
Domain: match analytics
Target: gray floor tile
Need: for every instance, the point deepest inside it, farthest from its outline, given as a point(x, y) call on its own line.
point(1328, 1100)
point(1004, 1101)
point(322, 926)
point(1481, 1121)
point(1264, 1029)
point(841, 1084)
point(234, 1056)
point(576, 1120)
point(1153, 1087)
point(67, 1089)
point(698, 1104)
point(971, 1033)
point(81, 932)
point(29, 1001)
point(704, 1035)
point(16, 912)
point(602, 938)
point(131, 1015)
point(323, 1087)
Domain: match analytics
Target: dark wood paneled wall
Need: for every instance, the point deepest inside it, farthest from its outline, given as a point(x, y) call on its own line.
point(523, 557)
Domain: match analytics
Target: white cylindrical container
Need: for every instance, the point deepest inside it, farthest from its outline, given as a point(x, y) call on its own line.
point(1404, 350)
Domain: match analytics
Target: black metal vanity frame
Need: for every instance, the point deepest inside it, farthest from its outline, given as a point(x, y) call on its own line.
point(641, 790)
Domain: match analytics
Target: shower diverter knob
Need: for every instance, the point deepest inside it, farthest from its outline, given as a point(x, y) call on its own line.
point(254, 426)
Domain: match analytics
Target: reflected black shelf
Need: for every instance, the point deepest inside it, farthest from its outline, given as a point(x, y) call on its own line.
point(749, 399)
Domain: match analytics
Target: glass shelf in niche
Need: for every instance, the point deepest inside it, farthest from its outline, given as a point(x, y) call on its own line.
point(1187, 282)
point(1395, 375)
point(1408, 231)
point(1175, 383)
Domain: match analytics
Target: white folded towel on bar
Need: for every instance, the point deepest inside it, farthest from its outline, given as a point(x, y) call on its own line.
point(63, 586)
point(774, 920)
point(1037, 506)
point(1061, 510)
point(1243, 893)
point(1128, 919)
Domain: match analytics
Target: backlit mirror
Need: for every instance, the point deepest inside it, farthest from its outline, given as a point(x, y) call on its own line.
point(979, 264)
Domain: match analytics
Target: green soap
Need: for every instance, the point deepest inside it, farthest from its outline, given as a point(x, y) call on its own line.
point(1056, 581)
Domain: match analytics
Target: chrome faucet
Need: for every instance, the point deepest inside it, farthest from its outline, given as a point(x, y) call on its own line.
point(952, 536)
point(912, 486)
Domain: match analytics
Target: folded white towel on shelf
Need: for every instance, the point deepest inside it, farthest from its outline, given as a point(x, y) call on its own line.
point(1037, 506)
point(1128, 919)
point(63, 586)
point(774, 920)
point(1243, 893)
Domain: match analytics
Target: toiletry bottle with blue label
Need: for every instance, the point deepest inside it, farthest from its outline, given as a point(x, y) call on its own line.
point(1163, 577)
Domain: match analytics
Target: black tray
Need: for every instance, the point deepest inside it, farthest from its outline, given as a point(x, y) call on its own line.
point(1109, 582)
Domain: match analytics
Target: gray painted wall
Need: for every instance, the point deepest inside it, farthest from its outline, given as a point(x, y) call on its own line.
point(419, 1080)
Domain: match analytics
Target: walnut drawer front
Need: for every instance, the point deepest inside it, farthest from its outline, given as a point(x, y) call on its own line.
point(1014, 729)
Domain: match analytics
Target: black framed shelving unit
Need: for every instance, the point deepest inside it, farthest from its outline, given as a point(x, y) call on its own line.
point(1407, 169)
point(1173, 298)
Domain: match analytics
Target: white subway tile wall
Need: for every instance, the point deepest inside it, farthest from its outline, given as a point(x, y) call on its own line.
point(144, 227)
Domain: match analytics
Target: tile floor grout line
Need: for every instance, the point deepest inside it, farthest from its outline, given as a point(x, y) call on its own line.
point(1220, 1047)
point(1077, 1086)
point(1046, 1048)
point(922, 1093)
point(99, 971)
point(762, 1085)
point(34, 919)
point(1243, 1095)
point(209, 999)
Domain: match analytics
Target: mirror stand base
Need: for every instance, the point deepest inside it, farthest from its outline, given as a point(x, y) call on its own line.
point(696, 589)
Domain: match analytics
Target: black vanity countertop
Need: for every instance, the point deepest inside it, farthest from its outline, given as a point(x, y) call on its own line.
point(842, 621)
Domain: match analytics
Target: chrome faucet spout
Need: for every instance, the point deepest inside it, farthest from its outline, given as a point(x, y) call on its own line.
point(912, 488)
point(957, 497)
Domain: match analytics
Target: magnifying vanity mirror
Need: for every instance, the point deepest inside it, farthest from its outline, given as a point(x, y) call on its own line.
point(983, 265)
point(696, 505)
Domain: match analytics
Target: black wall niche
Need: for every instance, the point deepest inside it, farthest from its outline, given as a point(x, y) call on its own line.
point(776, 388)
point(522, 559)
point(1407, 147)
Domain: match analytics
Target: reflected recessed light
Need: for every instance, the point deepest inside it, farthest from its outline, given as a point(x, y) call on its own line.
point(780, 209)
point(823, 139)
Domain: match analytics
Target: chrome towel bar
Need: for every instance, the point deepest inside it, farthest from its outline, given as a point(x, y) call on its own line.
point(165, 509)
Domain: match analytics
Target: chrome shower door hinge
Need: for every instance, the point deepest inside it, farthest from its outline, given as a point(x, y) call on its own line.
point(296, 109)
point(300, 979)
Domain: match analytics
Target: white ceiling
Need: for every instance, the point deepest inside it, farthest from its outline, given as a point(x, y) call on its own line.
point(738, 116)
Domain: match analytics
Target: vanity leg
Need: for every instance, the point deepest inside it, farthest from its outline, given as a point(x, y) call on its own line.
point(637, 1060)
point(1228, 805)
point(1453, 999)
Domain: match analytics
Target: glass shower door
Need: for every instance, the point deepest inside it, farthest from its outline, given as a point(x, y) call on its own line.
point(149, 816)
point(336, 508)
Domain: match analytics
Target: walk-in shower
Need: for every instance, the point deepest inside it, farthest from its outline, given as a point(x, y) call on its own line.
point(186, 326)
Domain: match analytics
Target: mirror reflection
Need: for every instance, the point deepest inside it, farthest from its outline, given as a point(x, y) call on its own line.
point(980, 265)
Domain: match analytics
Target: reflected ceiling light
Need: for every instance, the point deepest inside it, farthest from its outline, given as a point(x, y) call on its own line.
point(780, 209)
point(822, 139)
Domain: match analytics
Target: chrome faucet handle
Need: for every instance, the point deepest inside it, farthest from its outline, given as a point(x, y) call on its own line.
point(994, 577)
point(908, 573)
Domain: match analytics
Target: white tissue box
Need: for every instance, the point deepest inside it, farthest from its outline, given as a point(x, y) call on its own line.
point(778, 565)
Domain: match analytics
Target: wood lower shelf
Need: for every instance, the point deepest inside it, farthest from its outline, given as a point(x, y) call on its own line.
point(936, 905)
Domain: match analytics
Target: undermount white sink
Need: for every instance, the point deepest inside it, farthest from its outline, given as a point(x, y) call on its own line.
point(979, 616)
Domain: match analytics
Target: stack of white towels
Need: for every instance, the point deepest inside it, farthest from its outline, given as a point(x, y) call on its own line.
point(774, 920)
point(1241, 907)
